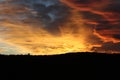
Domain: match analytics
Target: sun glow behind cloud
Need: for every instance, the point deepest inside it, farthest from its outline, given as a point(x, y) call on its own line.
point(46, 27)
point(42, 42)
point(37, 37)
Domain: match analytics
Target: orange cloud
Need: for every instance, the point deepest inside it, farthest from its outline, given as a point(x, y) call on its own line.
point(110, 16)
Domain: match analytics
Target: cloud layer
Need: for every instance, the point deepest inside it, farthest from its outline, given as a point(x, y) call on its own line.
point(30, 23)
point(103, 15)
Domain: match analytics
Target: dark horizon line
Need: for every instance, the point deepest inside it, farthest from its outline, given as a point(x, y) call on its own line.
point(70, 53)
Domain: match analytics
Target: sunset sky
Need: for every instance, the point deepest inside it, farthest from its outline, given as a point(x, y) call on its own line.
point(46, 27)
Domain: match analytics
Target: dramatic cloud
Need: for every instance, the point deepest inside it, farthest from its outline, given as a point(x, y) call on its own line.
point(59, 26)
point(103, 15)
point(41, 26)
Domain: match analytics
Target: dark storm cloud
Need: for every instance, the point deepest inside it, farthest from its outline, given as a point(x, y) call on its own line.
point(117, 36)
point(112, 7)
point(51, 16)
point(49, 13)
point(93, 18)
point(109, 47)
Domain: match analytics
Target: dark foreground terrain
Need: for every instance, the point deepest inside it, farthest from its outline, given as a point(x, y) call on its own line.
point(62, 64)
point(69, 58)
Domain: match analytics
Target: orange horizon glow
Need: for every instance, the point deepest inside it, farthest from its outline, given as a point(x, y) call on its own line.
point(43, 42)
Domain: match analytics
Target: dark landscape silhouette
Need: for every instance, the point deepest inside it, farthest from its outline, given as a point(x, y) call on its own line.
point(69, 58)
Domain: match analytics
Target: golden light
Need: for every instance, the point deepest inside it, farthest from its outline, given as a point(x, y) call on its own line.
point(36, 40)
point(41, 42)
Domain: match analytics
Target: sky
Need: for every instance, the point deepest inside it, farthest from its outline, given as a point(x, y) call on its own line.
point(47, 27)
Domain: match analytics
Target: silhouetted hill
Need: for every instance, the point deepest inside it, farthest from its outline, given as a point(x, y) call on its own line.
point(71, 63)
point(69, 58)
point(76, 54)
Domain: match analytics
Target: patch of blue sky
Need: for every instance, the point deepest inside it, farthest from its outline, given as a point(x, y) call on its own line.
point(47, 3)
point(8, 49)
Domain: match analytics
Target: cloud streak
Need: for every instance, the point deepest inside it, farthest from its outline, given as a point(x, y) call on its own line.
point(104, 16)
